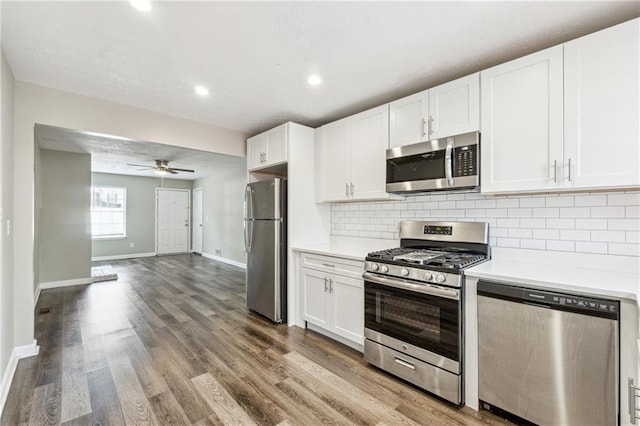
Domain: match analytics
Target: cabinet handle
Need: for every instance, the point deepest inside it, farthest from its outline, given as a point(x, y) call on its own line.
point(329, 265)
point(424, 133)
point(404, 363)
point(430, 126)
point(569, 169)
point(634, 412)
point(346, 189)
point(352, 189)
point(325, 285)
point(330, 285)
point(555, 171)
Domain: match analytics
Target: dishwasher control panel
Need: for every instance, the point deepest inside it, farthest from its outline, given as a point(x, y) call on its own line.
point(570, 300)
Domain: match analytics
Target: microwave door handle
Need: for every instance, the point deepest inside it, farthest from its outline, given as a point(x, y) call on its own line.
point(448, 161)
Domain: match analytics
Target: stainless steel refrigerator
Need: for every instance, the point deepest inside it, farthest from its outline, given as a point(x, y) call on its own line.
point(265, 240)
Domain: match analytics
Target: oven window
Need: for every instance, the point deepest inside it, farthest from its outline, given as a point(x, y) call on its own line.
point(416, 167)
point(425, 321)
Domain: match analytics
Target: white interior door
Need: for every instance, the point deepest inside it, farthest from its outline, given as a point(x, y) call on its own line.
point(197, 220)
point(172, 224)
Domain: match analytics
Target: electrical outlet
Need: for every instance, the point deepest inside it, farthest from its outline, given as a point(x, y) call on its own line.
point(131, 245)
point(218, 252)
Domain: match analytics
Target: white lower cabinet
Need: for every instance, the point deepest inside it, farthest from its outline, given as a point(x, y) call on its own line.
point(332, 298)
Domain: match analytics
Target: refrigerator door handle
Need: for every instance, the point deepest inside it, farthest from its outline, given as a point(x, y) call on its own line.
point(248, 235)
point(248, 203)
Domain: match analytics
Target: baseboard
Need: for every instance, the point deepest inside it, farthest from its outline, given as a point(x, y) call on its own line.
point(224, 260)
point(7, 378)
point(122, 256)
point(65, 283)
point(37, 296)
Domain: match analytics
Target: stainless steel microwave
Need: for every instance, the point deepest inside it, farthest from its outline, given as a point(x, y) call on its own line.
point(439, 164)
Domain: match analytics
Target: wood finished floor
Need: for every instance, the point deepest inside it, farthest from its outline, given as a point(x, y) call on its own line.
point(171, 342)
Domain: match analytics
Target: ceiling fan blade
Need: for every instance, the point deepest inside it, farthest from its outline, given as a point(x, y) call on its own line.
point(146, 169)
point(172, 171)
point(183, 170)
point(142, 165)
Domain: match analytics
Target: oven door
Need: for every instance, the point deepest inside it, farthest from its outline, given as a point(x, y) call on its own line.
point(418, 319)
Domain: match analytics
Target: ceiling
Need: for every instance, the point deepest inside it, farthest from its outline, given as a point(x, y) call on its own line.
point(111, 154)
point(255, 57)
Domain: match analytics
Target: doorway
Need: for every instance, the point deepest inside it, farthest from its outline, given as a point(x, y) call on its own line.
point(172, 220)
point(197, 220)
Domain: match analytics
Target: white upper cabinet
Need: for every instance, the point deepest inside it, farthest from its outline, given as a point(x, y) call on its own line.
point(352, 155)
point(564, 118)
point(522, 123)
point(446, 110)
point(601, 98)
point(267, 149)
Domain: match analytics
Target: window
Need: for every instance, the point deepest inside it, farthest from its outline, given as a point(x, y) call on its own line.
point(108, 212)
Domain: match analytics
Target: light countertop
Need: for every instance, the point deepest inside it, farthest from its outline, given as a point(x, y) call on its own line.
point(607, 276)
point(348, 247)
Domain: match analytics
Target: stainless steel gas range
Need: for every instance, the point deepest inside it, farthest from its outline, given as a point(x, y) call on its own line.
point(414, 298)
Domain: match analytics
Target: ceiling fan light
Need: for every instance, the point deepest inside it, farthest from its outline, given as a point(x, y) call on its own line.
point(161, 172)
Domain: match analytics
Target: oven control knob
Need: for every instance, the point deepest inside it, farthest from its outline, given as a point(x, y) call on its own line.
point(384, 268)
point(374, 267)
point(428, 276)
point(404, 272)
point(440, 278)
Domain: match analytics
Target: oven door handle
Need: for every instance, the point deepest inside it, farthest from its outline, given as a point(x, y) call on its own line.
point(420, 288)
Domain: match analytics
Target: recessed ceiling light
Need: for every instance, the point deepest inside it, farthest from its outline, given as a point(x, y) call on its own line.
point(141, 5)
point(201, 90)
point(314, 80)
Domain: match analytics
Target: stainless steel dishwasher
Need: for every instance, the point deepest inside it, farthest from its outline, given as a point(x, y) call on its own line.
point(548, 358)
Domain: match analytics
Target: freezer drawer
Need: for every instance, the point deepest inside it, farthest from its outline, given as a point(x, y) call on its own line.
point(548, 366)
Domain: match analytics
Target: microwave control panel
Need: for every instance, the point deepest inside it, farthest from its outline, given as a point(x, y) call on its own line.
point(465, 161)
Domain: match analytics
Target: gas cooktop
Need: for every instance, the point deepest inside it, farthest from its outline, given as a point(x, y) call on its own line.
point(427, 258)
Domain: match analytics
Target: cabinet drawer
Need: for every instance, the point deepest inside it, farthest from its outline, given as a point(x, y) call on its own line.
point(335, 265)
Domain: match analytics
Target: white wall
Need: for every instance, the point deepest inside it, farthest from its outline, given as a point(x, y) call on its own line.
point(223, 197)
point(7, 321)
point(141, 210)
point(37, 104)
point(600, 222)
point(64, 233)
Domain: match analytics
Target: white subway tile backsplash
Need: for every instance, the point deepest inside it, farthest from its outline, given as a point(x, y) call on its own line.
point(624, 224)
point(591, 224)
point(561, 223)
point(606, 223)
point(508, 202)
point(533, 244)
point(575, 235)
point(608, 236)
point(532, 202)
point(546, 212)
point(590, 247)
point(561, 245)
point(624, 199)
point(559, 201)
point(575, 212)
point(590, 200)
point(520, 212)
point(624, 249)
point(533, 223)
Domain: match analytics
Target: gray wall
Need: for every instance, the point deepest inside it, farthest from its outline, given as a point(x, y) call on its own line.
point(141, 210)
point(7, 304)
point(64, 234)
point(223, 195)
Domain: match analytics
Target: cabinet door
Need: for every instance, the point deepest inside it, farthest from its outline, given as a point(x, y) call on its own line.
point(454, 107)
point(315, 296)
point(601, 108)
point(256, 152)
point(522, 125)
point(277, 145)
point(369, 143)
point(334, 160)
point(348, 307)
point(407, 119)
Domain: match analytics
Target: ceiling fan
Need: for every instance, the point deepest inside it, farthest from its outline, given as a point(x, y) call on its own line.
point(162, 168)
